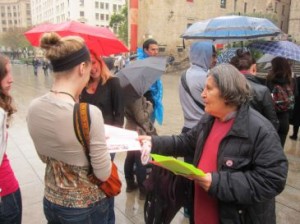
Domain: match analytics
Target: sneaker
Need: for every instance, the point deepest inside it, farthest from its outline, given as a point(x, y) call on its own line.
point(131, 187)
point(293, 137)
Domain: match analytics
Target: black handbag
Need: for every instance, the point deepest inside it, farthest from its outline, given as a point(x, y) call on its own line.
point(165, 199)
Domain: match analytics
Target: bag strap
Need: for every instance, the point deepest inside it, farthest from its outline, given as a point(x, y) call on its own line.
point(187, 89)
point(82, 121)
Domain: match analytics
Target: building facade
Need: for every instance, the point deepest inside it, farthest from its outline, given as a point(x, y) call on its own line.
point(166, 20)
point(14, 14)
point(294, 24)
point(93, 12)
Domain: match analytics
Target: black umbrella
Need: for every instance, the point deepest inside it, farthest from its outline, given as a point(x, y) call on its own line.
point(138, 76)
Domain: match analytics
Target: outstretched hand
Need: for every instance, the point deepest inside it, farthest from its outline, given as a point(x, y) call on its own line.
point(146, 148)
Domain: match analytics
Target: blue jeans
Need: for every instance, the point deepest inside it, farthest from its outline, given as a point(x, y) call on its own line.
point(11, 208)
point(96, 213)
point(111, 212)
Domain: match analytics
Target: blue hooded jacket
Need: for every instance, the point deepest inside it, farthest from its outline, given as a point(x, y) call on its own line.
point(156, 91)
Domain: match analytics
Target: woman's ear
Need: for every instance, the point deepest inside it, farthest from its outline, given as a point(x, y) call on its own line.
point(82, 68)
point(253, 69)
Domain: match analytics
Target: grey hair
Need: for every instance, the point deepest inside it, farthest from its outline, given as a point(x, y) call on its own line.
point(233, 86)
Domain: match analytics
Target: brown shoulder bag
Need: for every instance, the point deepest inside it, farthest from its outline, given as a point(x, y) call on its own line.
point(112, 186)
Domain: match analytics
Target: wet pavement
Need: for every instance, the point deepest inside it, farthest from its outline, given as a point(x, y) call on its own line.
point(128, 208)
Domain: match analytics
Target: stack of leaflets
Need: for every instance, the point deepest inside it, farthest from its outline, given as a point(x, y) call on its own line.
point(176, 166)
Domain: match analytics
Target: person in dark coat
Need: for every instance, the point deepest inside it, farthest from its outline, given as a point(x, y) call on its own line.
point(281, 74)
point(261, 96)
point(296, 111)
point(104, 91)
point(238, 149)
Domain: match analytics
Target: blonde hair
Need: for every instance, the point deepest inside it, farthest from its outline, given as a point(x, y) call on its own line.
point(105, 74)
point(57, 47)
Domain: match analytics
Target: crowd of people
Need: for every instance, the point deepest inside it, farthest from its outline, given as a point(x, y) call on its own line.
point(234, 130)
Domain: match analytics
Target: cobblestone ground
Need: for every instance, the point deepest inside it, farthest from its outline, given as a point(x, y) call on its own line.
point(129, 209)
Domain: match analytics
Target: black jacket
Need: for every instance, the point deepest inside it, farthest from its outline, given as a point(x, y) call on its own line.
point(109, 99)
point(245, 190)
point(262, 100)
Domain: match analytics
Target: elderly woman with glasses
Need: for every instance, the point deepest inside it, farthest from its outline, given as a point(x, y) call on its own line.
point(237, 148)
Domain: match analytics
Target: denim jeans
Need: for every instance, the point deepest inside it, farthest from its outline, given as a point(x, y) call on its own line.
point(96, 213)
point(111, 212)
point(11, 208)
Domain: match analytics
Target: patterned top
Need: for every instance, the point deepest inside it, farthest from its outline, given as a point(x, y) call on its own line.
point(69, 186)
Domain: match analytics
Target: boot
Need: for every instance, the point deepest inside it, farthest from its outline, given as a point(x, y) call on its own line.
point(131, 186)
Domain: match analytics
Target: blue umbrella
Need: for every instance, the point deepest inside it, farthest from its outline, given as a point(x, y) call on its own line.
point(282, 48)
point(227, 54)
point(231, 27)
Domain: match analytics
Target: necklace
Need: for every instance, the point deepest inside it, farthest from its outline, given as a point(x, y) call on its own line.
point(62, 92)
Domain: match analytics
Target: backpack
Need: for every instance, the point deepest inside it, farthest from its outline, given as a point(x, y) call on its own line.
point(283, 98)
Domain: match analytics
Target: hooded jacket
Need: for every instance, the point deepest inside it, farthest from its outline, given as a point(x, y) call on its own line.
point(200, 58)
point(262, 100)
point(246, 187)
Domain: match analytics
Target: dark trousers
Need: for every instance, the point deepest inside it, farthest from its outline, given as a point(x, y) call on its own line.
point(96, 213)
point(190, 194)
point(11, 208)
point(283, 126)
point(133, 165)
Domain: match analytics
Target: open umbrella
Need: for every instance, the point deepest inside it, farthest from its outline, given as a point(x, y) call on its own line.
point(137, 77)
point(266, 58)
point(231, 27)
point(281, 48)
point(228, 53)
point(99, 39)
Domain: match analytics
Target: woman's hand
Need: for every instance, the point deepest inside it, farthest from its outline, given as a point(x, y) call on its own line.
point(146, 148)
point(204, 181)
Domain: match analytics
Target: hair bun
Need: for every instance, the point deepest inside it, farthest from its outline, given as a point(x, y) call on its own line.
point(239, 52)
point(49, 39)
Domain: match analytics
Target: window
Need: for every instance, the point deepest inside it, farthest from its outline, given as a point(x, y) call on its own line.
point(234, 7)
point(96, 5)
point(81, 3)
point(107, 17)
point(101, 5)
point(81, 13)
point(245, 7)
point(114, 7)
point(161, 49)
point(97, 16)
point(106, 6)
point(283, 9)
point(3, 22)
point(223, 4)
point(102, 16)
